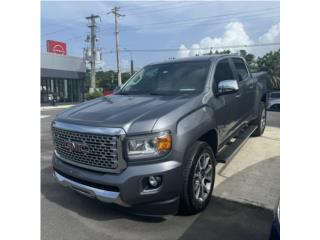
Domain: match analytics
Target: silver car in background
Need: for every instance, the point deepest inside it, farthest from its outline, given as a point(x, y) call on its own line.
point(274, 101)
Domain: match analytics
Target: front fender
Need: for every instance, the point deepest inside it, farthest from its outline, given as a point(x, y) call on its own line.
point(194, 125)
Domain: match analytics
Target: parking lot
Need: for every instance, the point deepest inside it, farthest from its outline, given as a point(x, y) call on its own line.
point(245, 193)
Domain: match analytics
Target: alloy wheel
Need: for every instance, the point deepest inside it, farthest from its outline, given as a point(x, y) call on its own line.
point(202, 179)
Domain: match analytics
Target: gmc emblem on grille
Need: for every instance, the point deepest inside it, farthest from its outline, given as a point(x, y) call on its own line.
point(76, 147)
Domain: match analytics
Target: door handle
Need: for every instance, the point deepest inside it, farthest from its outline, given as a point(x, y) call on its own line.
point(238, 95)
point(251, 86)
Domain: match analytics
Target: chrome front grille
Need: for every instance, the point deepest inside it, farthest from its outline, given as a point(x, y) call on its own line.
point(92, 151)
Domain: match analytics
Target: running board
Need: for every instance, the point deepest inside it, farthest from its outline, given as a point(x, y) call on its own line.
point(228, 152)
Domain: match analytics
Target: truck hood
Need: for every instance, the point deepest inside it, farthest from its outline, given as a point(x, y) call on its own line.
point(135, 114)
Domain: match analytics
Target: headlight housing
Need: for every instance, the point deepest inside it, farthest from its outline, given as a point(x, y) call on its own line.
point(149, 146)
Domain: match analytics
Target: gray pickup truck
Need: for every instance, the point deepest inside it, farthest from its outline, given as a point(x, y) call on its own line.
point(153, 145)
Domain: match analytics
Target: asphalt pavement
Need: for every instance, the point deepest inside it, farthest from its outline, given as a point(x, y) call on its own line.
point(66, 214)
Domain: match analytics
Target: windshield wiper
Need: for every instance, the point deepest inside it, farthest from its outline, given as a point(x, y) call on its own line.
point(156, 93)
point(122, 93)
point(173, 93)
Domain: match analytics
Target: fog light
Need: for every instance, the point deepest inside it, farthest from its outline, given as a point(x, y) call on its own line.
point(154, 181)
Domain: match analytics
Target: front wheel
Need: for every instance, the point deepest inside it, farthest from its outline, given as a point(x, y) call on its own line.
point(198, 178)
point(261, 121)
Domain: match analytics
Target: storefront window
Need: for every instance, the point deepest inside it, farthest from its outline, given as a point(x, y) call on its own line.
point(64, 90)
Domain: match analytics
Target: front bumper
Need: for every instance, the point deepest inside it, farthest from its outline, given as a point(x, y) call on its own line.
point(100, 194)
point(125, 189)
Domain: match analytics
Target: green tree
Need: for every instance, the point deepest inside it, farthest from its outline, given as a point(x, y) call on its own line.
point(216, 52)
point(247, 56)
point(222, 52)
point(125, 76)
point(270, 63)
point(105, 79)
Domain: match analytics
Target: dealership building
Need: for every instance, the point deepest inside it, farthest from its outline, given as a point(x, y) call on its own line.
point(63, 77)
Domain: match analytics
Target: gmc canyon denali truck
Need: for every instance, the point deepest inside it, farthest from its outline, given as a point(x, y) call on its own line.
point(153, 145)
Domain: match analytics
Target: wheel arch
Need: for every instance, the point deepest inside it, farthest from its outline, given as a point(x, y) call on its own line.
point(211, 138)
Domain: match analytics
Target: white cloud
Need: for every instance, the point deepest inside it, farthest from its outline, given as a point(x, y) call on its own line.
point(234, 35)
point(183, 52)
point(273, 35)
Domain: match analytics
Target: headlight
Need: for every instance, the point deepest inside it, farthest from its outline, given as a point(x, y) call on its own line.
point(149, 145)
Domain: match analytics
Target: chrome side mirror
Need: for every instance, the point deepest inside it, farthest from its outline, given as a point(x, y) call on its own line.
point(227, 87)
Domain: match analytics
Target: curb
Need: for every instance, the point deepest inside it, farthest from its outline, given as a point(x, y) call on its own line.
point(56, 107)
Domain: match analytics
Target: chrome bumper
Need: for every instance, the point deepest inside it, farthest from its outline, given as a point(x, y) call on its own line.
point(100, 194)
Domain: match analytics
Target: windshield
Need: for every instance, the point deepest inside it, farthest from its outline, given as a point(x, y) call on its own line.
point(168, 79)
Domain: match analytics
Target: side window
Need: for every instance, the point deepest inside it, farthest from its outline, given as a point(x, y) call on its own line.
point(223, 72)
point(240, 68)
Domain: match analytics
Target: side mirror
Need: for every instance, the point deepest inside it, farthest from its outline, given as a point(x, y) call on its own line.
point(227, 87)
point(116, 89)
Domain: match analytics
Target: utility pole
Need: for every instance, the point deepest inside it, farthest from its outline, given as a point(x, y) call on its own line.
point(131, 60)
point(131, 63)
point(115, 12)
point(93, 26)
point(131, 67)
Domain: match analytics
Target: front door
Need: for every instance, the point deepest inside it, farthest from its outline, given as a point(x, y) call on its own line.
point(225, 106)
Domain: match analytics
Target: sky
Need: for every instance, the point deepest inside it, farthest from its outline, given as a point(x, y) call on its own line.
point(186, 28)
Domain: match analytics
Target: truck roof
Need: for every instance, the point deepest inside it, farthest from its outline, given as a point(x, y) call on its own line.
point(196, 58)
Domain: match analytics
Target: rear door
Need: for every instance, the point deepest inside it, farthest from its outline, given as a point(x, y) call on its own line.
point(247, 89)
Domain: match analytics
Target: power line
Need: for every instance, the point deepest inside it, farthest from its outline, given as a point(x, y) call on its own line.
point(209, 17)
point(199, 20)
point(165, 9)
point(199, 24)
point(57, 31)
point(137, 8)
point(203, 24)
point(64, 28)
point(190, 49)
point(206, 48)
point(177, 24)
point(151, 4)
point(196, 20)
point(196, 4)
point(183, 21)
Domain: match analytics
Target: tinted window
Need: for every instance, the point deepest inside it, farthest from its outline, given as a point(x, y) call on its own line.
point(223, 71)
point(240, 68)
point(275, 95)
point(169, 78)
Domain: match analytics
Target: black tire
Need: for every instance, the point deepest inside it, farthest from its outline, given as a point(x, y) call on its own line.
point(261, 126)
point(189, 204)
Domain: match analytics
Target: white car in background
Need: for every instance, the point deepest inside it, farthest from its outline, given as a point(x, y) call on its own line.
point(274, 101)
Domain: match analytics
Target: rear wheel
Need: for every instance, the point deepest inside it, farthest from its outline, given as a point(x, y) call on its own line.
point(198, 179)
point(261, 121)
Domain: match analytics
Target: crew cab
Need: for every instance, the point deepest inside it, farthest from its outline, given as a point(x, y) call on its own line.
point(154, 144)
